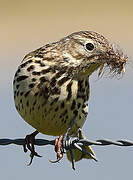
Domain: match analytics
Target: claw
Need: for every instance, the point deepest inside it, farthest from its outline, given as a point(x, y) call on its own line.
point(29, 145)
point(72, 158)
point(32, 156)
point(55, 161)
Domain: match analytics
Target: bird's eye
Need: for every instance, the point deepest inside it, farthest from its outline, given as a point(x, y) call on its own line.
point(89, 46)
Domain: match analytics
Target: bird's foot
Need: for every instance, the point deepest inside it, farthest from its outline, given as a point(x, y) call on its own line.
point(29, 145)
point(69, 143)
point(64, 143)
point(60, 143)
point(59, 149)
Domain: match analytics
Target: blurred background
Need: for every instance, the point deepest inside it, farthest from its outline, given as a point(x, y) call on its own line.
point(25, 26)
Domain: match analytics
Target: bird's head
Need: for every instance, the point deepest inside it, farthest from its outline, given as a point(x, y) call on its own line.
point(86, 51)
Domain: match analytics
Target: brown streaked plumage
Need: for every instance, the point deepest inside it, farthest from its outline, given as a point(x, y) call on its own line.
point(51, 84)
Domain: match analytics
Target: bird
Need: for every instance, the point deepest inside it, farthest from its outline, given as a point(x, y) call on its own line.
point(51, 87)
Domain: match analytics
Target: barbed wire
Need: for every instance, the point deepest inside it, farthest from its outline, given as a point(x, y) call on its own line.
point(73, 143)
point(85, 142)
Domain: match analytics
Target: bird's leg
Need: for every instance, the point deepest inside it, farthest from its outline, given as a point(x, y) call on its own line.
point(58, 149)
point(66, 136)
point(59, 143)
point(29, 142)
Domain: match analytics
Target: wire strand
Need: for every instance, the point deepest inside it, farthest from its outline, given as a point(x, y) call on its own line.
point(84, 142)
